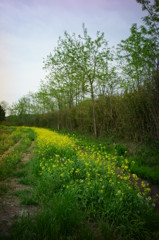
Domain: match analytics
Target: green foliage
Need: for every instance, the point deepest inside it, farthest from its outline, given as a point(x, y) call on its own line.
point(146, 162)
point(2, 113)
point(120, 149)
point(76, 66)
point(86, 179)
point(61, 220)
point(84, 92)
point(66, 186)
point(26, 197)
point(75, 184)
point(136, 66)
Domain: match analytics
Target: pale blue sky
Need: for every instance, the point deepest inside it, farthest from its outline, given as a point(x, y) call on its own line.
point(29, 30)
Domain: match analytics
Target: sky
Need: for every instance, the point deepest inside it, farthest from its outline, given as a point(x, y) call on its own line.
point(29, 30)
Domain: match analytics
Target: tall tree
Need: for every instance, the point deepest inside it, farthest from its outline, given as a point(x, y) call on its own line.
point(140, 52)
point(78, 64)
point(2, 113)
point(152, 30)
point(137, 58)
point(5, 106)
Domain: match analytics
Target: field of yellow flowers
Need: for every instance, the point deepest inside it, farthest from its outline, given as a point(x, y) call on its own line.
point(84, 191)
point(102, 183)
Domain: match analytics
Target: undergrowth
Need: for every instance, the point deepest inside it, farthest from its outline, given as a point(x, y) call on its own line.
point(84, 191)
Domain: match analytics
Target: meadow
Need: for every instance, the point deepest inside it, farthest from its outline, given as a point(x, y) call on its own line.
point(83, 189)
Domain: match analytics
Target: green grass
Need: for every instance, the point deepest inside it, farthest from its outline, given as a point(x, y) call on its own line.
point(61, 216)
point(9, 162)
point(72, 208)
point(145, 156)
point(25, 197)
point(8, 137)
point(146, 172)
point(69, 207)
point(24, 180)
point(62, 219)
point(147, 162)
point(3, 189)
point(20, 173)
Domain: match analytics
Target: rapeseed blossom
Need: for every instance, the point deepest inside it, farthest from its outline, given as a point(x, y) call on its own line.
point(86, 170)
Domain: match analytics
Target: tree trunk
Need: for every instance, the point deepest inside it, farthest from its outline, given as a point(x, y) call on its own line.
point(93, 110)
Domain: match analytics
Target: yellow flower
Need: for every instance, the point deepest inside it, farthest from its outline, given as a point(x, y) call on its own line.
point(125, 167)
point(135, 176)
point(119, 192)
point(143, 184)
point(77, 170)
point(126, 161)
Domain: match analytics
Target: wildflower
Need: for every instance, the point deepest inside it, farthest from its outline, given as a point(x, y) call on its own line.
point(135, 177)
point(119, 192)
point(148, 198)
point(143, 184)
point(126, 160)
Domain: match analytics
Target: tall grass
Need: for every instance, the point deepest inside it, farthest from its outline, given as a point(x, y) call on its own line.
point(81, 194)
point(8, 162)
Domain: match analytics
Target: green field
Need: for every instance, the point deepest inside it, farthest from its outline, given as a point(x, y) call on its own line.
point(80, 188)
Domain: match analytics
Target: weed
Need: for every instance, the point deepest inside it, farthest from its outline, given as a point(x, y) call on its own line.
point(26, 197)
point(3, 189)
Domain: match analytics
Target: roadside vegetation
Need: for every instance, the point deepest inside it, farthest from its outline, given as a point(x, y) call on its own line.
point(88, 170)
point(83, 190)
point(108, 93)
point(16, 141)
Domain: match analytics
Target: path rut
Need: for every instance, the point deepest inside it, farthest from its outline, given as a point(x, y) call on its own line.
point(10, 206)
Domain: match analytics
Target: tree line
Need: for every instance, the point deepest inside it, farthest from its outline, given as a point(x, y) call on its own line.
point(93, 88)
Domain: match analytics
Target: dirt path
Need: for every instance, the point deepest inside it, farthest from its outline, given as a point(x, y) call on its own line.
point(10, 206)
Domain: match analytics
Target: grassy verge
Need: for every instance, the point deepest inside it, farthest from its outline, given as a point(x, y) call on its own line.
point(146, 163)
point(144, 157)
point(8, 163)
point(9, 136)
point(84, 191)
